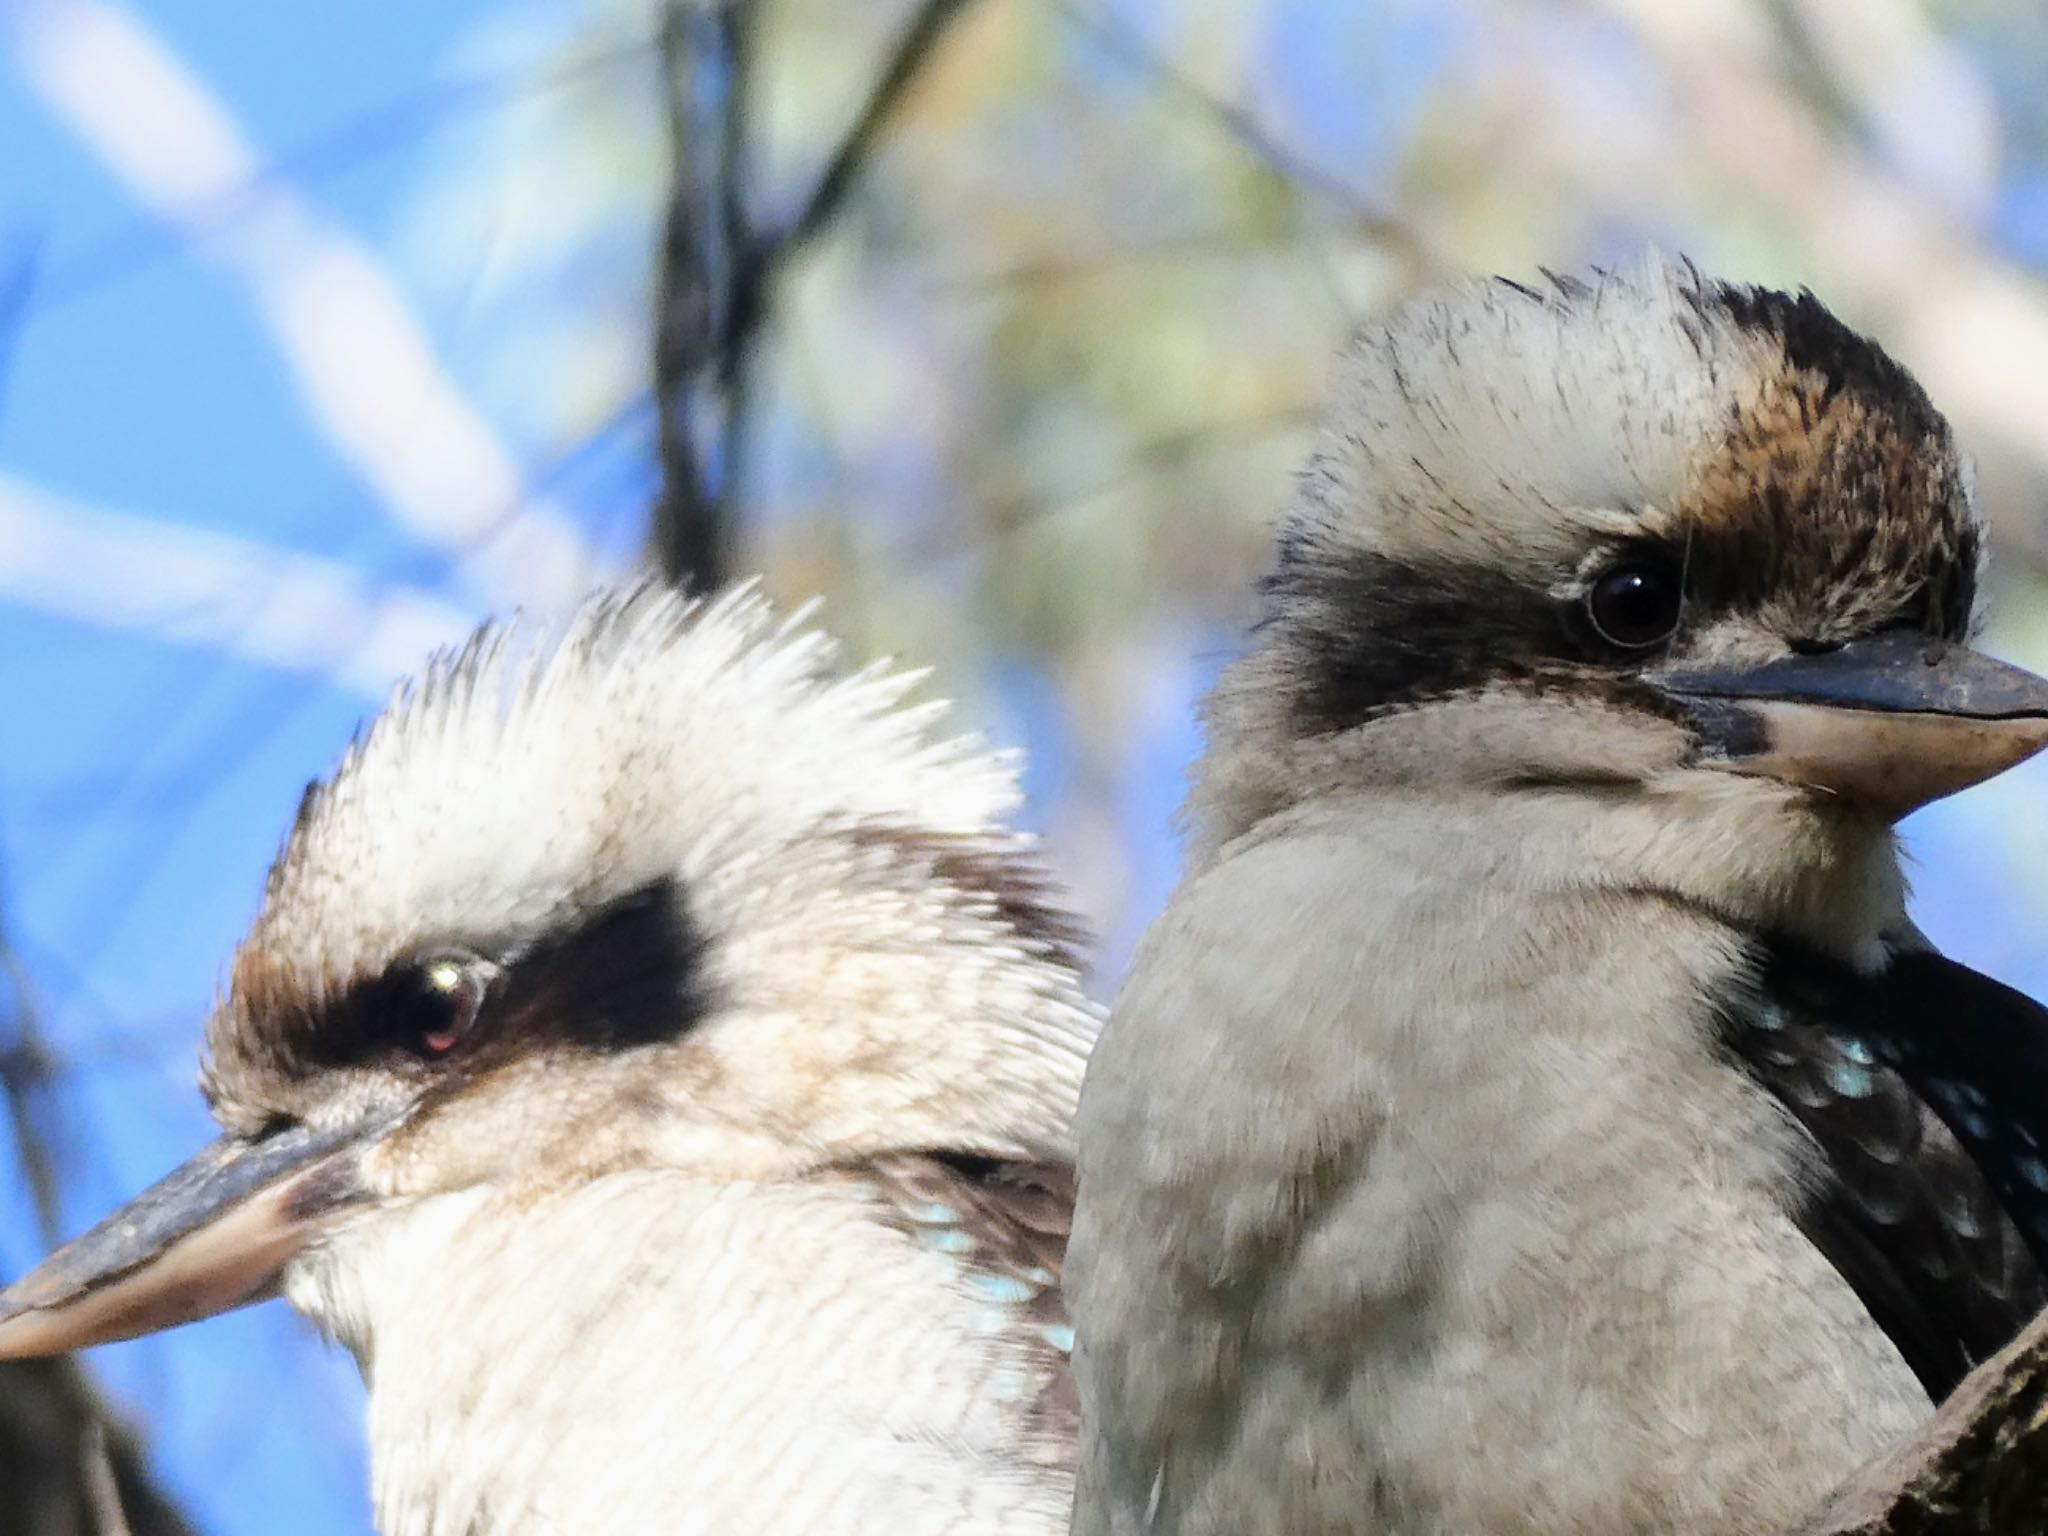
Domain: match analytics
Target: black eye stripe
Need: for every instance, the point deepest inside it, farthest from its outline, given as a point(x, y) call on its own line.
point(625, 974)
point(1373, 632)
point(1376, 633)
point(630, 974)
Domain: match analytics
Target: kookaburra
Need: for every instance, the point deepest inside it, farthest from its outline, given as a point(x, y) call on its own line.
point(654, 1059)
point(1534, 1113)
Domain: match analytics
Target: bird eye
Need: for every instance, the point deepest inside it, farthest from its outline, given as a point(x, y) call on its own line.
point(1634, 606)
point(446, 995)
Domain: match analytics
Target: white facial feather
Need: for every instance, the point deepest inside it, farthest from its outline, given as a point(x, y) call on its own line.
point(881, 958)
point(1487, 453)
point(660, 1354)
point(1491, 422)
point(656, 735)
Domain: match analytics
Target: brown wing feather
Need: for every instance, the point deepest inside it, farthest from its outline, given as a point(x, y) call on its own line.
point(1006, 1224)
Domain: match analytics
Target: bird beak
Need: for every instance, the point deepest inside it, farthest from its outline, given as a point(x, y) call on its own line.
point(213, 1235)
point(1888, 722)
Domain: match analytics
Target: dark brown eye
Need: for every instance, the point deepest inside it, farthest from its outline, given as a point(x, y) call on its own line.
point(1634, 606)
point(441, 1002)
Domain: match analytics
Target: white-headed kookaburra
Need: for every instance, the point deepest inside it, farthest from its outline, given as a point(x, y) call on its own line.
point(654, 1059)
point(1534, 1113)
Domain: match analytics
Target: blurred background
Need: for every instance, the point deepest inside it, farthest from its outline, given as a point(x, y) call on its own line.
point(325, 330)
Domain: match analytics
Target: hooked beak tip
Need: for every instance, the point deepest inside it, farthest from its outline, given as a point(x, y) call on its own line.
point(1887, 723)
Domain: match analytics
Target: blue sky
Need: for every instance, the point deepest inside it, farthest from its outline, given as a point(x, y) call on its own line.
point(143, 783)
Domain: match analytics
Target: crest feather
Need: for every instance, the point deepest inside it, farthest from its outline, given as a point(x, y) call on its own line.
point(649, 732)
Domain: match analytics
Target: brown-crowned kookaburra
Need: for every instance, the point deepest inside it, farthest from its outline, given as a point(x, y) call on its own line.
point(654, 1060)
point(1534, 1113)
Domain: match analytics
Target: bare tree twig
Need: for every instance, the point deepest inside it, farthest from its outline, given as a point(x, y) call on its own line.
point(24, 1064)
point(1389, 229)
point(907, 60)
point(686, 532)
point(24, 1076)
point(716, 291)
point(63, 1469)
point(736, 333)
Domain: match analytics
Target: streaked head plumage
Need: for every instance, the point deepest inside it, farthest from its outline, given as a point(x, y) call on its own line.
point(678, 849)
point(1489, 453)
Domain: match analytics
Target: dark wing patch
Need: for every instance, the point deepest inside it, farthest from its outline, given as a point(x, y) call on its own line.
point(1914, 1208)
point(1006, 1225)
point(1978, 1050)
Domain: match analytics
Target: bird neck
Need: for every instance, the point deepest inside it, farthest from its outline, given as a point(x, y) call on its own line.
point(657, 1351)
point(1755, 853)
point(1554, 789)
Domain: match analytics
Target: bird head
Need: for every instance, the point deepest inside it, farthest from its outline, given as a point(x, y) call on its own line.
point(1692, 551)
point(665, 891)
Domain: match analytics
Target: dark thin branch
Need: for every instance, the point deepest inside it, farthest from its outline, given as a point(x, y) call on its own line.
point(102, 1483)
point(54, 1479)
point(717, 285)
point(24, 1063)
point(736, 29)
point(65, 1466)
point(25, 1073)
point(912, 52)
point(688, 517)
point(736, 337)
point(765, 259)
point(1266, 150)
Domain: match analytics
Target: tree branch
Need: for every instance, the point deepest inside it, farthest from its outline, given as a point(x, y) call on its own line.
point(906, 61)
point(1978, 1468)
point(717, 284)
point(65, 1467)
point(688, 518)
point(1277, 159)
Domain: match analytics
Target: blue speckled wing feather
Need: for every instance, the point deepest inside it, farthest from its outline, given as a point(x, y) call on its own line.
point(1006, 1224)
point(1923, 1090)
